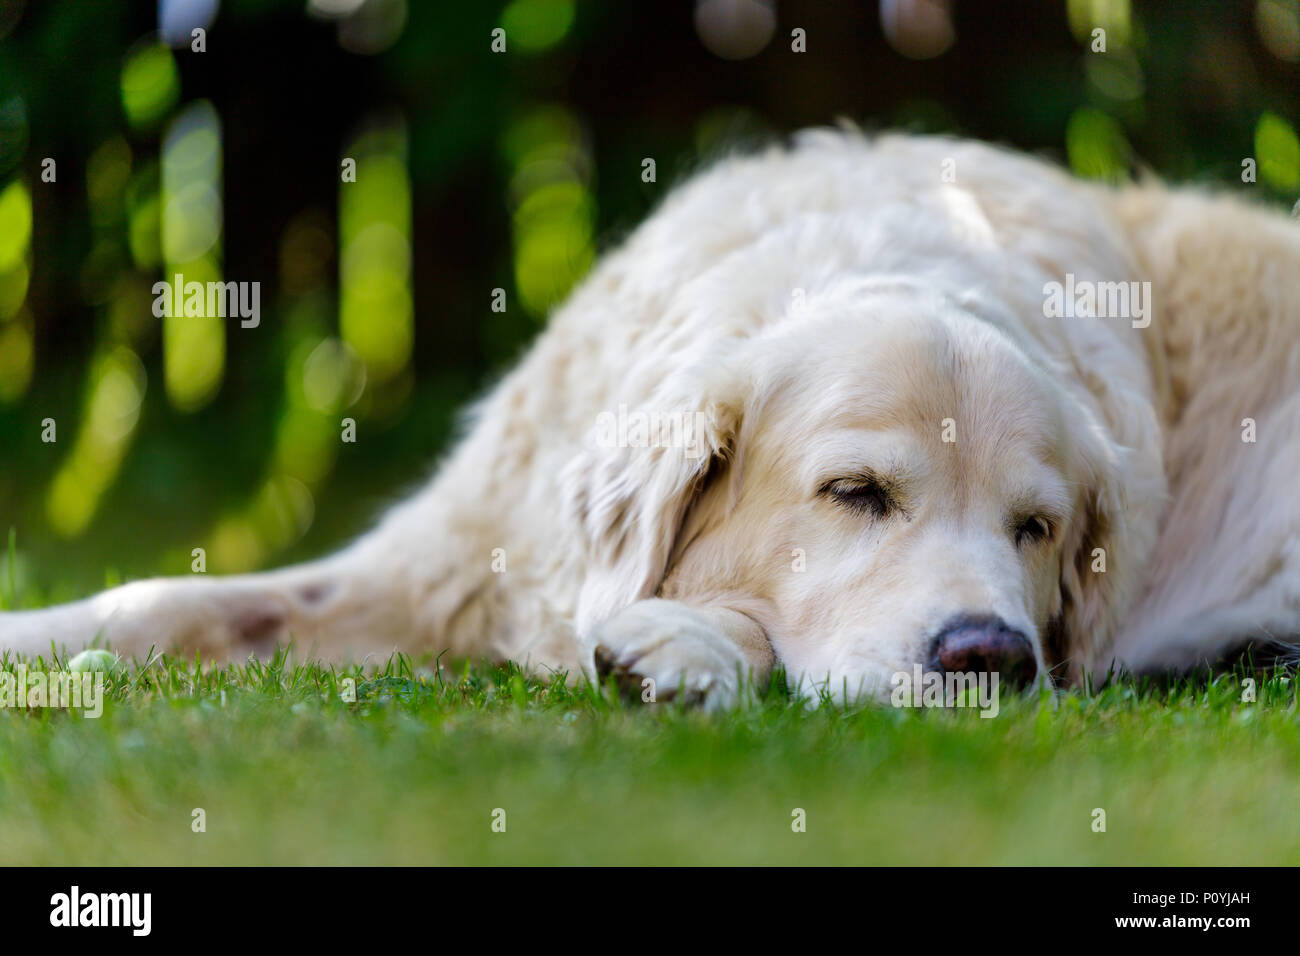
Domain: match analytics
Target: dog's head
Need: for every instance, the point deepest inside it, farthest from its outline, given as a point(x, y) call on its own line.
point(887, 480)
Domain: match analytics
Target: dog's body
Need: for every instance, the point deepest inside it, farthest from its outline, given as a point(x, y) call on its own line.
point(868, 443)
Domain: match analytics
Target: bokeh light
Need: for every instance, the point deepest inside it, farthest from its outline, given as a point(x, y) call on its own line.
point(735, 29)
point(15, 224)
point(13, 289)
point(144, 216)
point(151, 84)
point(376, 309)
point(1117, 76)
point(1278, 23)
point(333, 376)
point(323, 377)
point(536, 25)
point(1278, 150)
point(1096, 146)
point(111, 413)
point(177, 19)
point(918, 29)
point(17, 343)
point(1113, 16)
point(369, 27)
point(554, 212)
point(279, 514)
point(194, 346)
point(17, 357)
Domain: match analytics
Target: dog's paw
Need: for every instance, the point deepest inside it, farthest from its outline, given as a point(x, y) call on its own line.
point(679, 651)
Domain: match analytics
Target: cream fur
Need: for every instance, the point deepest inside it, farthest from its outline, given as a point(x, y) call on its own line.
point(817, 311)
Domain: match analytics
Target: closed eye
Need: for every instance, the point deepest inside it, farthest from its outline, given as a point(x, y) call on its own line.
point(1032, 529)
point(860, 495)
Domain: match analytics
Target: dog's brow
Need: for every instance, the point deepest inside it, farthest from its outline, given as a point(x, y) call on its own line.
point(892, 476)
point(887, 457)
point(1048, 497)
point(888, 481)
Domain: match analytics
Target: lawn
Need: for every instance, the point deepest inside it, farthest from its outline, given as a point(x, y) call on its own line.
point(412, 771)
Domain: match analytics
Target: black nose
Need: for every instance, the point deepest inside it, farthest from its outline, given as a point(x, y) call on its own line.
point(985, 644)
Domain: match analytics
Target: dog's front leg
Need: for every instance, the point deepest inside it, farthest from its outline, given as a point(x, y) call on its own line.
point(657, 648)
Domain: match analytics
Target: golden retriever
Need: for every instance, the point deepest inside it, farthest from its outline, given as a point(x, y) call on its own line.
point(851, 407)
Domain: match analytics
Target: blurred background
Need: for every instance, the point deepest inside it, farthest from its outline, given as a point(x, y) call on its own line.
point(133, 148)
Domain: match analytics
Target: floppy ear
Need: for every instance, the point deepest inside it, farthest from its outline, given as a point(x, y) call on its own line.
point(1107, 544)
point(631, 494)
point(1089, 592)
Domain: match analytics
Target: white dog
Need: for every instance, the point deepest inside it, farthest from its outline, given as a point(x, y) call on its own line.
point(847, 407)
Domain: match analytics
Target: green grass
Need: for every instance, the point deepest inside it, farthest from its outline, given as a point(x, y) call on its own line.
point(412, 770)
